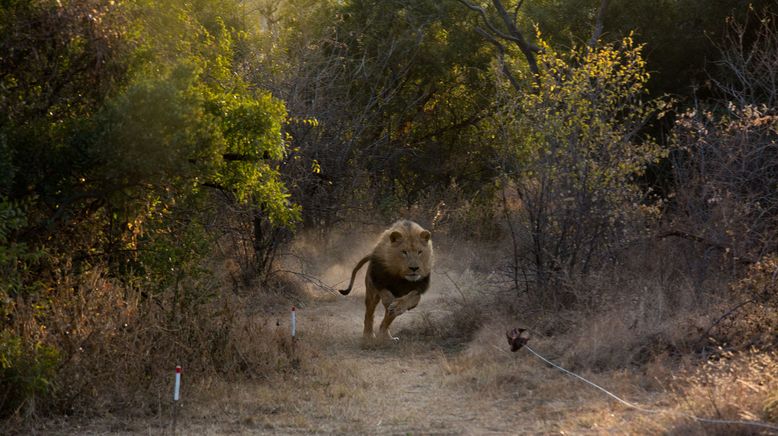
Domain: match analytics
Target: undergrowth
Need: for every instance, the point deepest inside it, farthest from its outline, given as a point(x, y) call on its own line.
point(105, 347)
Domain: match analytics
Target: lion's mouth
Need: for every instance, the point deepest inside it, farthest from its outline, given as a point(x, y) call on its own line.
point(413, 277)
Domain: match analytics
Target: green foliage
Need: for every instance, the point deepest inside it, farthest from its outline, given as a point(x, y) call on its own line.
point(118, 123)
point(588, 109)
point(173, 133)
point(174, 243)
point(192, 122)
point(16, 259)
point(431, 72)
point(140, 114)
point(26, 372)
point(6, 167)
point(575, 145)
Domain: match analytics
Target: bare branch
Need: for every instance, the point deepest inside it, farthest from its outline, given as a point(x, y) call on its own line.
point(500, 57)
point(526, 48)
point(707, 242)
point(598, 24)
point(513, 35)
point(488, 23)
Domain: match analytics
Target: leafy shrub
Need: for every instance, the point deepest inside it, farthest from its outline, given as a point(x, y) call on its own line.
point(16, 259)
point(119, 123)
point(26, 372)
point(573, 147)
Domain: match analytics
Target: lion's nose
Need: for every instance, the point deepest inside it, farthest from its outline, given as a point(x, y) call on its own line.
point(413, 268)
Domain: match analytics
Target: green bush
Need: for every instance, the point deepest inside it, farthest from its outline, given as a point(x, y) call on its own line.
point(26, 372)
point(16, 259)
point(574, 148)
point(119, 124)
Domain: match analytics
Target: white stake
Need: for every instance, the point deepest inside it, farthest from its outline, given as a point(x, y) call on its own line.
point(294, 322)
point(177, 389)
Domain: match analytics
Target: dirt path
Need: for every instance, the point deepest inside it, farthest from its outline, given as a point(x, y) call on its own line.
point(405, 387)
point(428, 383)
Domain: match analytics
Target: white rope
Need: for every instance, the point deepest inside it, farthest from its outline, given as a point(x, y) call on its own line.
point(643, 409)
point(625, 402)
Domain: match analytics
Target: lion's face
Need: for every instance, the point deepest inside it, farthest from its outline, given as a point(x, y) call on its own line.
point(409, 252)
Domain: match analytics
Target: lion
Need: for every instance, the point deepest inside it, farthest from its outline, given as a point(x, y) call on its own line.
point(398, 274)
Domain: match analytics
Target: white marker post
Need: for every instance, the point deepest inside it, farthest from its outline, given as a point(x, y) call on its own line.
point(177, 389)
point(176, 397)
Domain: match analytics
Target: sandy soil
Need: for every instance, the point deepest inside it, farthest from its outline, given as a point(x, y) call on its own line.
point(406, 390)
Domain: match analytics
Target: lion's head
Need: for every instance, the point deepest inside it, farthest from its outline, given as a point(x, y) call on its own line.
point(405, 250)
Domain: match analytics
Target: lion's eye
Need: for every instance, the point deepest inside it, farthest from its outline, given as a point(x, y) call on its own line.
point(405, 253)
point(419, 251)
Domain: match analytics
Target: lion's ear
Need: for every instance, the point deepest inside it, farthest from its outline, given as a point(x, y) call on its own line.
point(395, 237)
point(425, 235)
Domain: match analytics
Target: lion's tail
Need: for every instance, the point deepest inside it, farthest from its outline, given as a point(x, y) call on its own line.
point(354, 274)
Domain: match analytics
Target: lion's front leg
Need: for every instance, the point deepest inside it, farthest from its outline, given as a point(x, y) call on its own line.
point(394, 308)
point(404, 303)
point(383, 330)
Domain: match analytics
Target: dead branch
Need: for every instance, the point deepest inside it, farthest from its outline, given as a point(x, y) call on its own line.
point(598, 24)
point(704, 241)
point(494, 35)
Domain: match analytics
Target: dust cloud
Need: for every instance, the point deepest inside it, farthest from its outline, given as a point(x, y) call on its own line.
point(464, 273)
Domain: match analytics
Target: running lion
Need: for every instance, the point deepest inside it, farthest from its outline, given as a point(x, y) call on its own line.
point(398, 274)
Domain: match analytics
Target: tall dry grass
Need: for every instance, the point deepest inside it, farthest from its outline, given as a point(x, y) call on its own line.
point(118, 345)
point(664, 326)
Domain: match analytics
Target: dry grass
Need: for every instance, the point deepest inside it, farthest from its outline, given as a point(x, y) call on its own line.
point(118, 346)
point(740, 387)
point(735, 387)
point(636, 333)
point(639, 337)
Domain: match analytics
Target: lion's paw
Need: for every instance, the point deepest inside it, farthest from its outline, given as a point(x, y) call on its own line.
point(387, 337)
point(395, 309)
